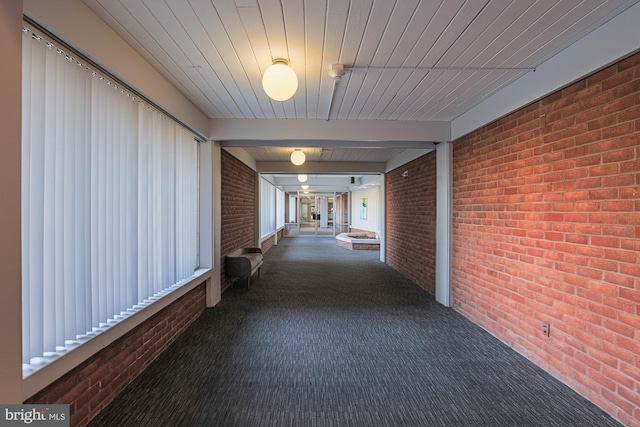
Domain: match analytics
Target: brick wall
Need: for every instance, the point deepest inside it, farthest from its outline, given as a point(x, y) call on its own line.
point(271, 241)
point(411, 220)
point(372, 234)
point(96, 382)
point(238, 209)
point(547, 230)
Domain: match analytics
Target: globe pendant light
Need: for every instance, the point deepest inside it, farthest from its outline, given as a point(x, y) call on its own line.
point(298, 157)
point(279, 81)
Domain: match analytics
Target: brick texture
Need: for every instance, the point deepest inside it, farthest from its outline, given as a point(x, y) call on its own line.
point(238, 209)
point(91, 386)
point(271, 241)
point(367, 232)
point(411, 220)
point(547, 230)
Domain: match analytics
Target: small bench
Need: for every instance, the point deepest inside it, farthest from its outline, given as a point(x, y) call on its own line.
point(243, 262)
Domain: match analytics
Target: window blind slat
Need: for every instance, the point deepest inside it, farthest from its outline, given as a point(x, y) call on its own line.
point(109, 201)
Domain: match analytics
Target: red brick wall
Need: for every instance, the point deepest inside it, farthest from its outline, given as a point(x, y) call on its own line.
point(238, 209)
point(411, 220)
point(269, 242)
point(96, 382)
point(367, 232)
point(547, 230)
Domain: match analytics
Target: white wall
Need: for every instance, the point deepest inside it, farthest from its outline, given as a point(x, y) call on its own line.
point(372, 194)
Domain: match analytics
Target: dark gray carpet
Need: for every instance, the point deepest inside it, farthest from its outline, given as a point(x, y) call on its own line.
point(331, 337)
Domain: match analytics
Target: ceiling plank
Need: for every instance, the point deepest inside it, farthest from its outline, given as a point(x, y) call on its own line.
point(437, 24)
point(294, 22)
point(315, 18)
point(250, 63)
point(337, 13)
point(152, 48)
point(213, 67)
point(359, 12)
point(455, 28)
point(234, 41)
point(220, 53)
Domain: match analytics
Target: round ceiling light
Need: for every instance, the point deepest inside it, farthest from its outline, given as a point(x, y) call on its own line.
point(298, 157)
point(305, 187)
point(279, 81)
point(302, 177)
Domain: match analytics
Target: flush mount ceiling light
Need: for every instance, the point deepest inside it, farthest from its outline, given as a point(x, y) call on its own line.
point(279, 81)
point(298, 157)
point(305, 187)
point(302, 177)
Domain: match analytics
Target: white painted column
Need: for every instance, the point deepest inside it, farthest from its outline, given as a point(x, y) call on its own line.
point(212, 185)
point(382, 218)
point(444, 219)
point(324, 212)
point(10, 191)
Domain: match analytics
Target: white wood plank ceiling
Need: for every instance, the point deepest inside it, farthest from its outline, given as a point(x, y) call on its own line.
point(429, 60)
point(215, 51)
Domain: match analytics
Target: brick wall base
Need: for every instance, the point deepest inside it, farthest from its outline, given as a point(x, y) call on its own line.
point(358, 246)
point(91, 386)
point(268, 243)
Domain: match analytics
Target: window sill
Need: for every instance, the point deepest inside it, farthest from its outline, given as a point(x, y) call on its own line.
point(65, 362)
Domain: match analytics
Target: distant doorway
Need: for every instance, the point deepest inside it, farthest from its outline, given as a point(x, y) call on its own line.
point(317, 215)
point(322, 214)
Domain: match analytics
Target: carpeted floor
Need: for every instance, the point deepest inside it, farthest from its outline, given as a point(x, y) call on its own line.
point(332, 337)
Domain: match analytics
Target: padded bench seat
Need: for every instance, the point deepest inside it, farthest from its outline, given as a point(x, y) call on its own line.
point(244, 262)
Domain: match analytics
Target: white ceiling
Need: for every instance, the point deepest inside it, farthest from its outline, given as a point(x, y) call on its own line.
point(324, 183)
point(430, 60)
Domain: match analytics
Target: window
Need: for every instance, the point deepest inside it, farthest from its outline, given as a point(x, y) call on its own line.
point(267, 208)
point(279, 208)
point(109, 202)
point(271, 208)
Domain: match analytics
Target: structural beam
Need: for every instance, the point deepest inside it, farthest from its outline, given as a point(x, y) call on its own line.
point(337, 130)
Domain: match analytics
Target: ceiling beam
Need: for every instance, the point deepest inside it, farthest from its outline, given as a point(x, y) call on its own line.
point(321, 167)
point(314, 143)
point(370, 131)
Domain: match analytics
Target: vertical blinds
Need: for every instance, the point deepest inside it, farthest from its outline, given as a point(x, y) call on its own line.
point(267, 208)
point(279, 208)
point(271, 208)
point(109, 203)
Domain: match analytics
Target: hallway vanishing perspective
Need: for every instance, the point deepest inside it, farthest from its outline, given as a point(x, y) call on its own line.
point(332, 337)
